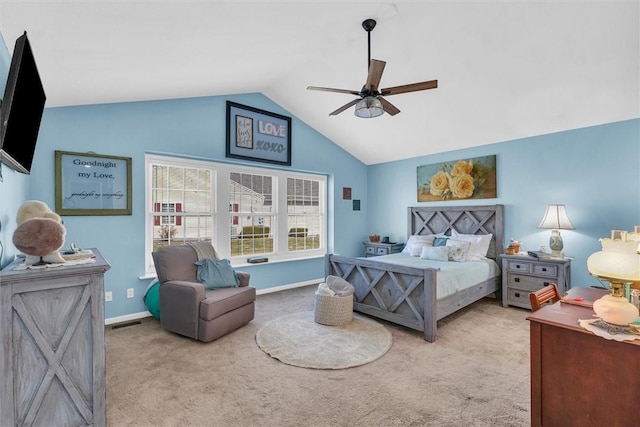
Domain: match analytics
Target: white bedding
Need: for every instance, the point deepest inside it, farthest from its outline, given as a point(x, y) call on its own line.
point(452, 276)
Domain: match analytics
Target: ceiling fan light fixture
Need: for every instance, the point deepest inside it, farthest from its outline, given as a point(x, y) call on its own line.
point(369, 107)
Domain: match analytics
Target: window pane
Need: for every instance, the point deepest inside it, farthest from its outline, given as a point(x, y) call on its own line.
point(251, 205)
point(304, 216)
point(189, 209)
point(255, 235)
point(252, 193)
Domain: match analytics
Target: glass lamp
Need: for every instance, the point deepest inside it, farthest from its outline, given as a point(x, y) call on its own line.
point(618, 263)
point(556, 219)
point(369, 107)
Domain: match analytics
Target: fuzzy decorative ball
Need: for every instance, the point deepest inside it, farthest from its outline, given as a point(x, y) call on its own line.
point(39, 236)
point(35, 209)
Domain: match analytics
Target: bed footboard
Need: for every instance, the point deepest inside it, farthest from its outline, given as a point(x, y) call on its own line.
point(402, 295)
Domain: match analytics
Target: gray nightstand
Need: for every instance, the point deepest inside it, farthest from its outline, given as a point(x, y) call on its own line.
point(377, 249)
point(522, 274)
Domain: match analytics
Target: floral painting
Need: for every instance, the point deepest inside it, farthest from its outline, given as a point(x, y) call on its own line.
point(473, 178)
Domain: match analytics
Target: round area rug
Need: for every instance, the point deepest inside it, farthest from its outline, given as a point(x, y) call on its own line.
point(297, 340)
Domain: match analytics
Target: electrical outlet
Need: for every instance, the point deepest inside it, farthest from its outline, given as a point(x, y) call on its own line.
point(130, 293)
point(108, 296)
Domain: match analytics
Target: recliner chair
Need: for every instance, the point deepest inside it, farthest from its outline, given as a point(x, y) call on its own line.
point(188, 308)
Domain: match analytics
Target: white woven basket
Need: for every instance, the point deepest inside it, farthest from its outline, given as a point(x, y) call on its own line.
point(333, 311)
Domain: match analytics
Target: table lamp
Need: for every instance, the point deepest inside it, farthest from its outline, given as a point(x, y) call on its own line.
point(556, 219)
point(618, 263)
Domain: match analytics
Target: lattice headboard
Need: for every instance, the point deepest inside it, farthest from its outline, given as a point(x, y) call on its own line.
point(463, 219)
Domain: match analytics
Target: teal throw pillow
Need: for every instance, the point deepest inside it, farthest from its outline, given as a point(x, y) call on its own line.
point(216, 274)
point(440, 241)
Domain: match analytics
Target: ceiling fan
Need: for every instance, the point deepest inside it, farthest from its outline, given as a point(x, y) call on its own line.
point(370, 101)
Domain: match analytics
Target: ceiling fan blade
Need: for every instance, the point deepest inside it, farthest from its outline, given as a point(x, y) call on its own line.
point(431, 84)
point(388, 107)
point(344, 107)
point(376, 68)
point(329, 89)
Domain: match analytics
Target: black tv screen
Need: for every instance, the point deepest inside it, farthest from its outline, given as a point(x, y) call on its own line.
point(22, 108)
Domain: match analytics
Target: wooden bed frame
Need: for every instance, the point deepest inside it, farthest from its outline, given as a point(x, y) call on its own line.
point(407, 295)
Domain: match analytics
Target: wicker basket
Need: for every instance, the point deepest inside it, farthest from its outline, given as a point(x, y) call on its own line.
point(333, 311)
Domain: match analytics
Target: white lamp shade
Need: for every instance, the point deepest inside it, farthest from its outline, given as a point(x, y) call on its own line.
point(556, 218)
point(624, 267)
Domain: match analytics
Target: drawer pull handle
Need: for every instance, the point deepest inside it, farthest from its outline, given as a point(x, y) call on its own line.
point(517, 279)
point(544, 268)
point(517, 294)
point(517, 265)
point(546, 283)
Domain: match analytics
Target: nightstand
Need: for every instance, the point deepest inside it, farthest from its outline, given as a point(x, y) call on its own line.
point(522, 274)
point(377, 249)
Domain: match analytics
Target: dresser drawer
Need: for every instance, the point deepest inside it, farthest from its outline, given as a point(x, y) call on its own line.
point(518, 297)
point(548, 270)
point(382, 251)
point(519, 266)
point(530, 283)
point(370, 250)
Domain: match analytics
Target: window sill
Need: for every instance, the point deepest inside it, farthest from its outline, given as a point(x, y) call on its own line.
point(239, 263)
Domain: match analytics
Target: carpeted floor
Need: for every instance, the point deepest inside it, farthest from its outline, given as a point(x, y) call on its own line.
point(475, 374)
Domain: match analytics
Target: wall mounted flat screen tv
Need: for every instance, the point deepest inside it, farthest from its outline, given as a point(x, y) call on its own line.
point(21, 109)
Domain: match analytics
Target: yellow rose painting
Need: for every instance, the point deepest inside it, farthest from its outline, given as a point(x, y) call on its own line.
point(458, 180)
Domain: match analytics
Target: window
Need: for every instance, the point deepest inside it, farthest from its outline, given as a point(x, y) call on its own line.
point(252, 224)
point(304, 214)
point(268, 212)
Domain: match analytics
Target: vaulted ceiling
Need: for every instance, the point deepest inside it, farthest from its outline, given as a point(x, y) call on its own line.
point(505, 69)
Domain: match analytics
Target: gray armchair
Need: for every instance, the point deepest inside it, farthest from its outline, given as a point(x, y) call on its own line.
point(188, 308)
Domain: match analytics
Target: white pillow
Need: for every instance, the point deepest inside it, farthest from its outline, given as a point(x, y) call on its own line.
point(416, 243)
point(435, 253)
point(479, 244)
point(458, 250)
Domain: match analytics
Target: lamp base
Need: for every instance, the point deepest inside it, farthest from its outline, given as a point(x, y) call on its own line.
point(615, 308)
point(556, 245)
point(556, 254)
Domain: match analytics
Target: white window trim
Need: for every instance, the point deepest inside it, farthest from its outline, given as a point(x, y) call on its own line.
point(222, 217)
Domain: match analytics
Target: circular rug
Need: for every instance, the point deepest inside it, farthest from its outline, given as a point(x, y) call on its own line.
point(297, 340)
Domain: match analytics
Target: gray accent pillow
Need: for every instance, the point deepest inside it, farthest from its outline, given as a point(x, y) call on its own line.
point(216, 274)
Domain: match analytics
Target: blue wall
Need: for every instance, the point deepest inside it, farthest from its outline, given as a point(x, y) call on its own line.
point(194, 127)
point(594, 171)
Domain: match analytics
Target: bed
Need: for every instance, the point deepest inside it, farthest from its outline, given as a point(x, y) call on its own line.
point(408, 295)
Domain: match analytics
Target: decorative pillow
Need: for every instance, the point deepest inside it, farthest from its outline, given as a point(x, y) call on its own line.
point(440, 241)
point(479, 244)
point(216, 274)
point(415, 243)
point(458, 250)
point(435, 253)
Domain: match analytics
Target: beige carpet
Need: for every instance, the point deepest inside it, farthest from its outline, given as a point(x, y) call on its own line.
point(296, 339)
point(475, 374)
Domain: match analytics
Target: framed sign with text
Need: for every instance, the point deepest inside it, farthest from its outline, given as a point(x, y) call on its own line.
point(258, 135)
point(92, 184)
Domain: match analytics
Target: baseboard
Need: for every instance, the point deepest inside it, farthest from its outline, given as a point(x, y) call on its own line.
point(289, 286)
point(143, 314)
point(126, 318)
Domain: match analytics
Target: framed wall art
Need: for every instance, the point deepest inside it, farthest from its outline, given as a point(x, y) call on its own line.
point(92, 184)
point(472, 178)
point(258, 135)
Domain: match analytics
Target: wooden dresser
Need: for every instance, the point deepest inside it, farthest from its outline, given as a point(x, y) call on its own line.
point(52, 362)
point(522, 274)
point(578, 378)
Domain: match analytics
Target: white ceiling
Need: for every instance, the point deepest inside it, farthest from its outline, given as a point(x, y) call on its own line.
point(505, 69)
